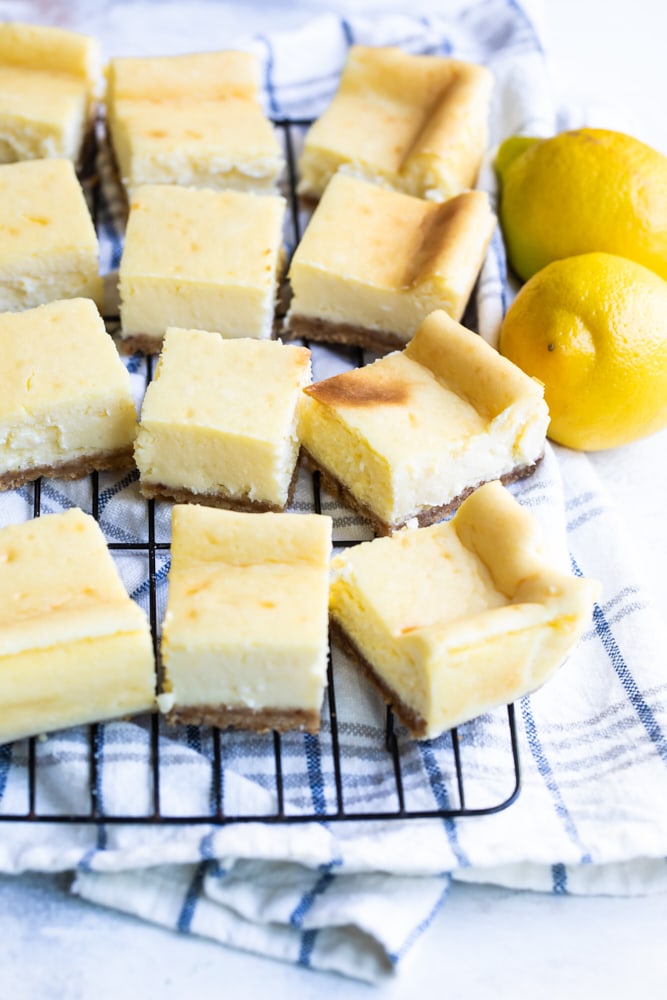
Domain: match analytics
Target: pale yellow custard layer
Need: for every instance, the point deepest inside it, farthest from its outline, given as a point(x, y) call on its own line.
point(48, 83)
point(66, 394)
point(48, 245)
point(201, 259)
point(192, 120)
point(407, 258)
point(416, 123)
point(418, 427)
point(74, 648)
point(246, 620)
point(462, 616)
point(219, 419)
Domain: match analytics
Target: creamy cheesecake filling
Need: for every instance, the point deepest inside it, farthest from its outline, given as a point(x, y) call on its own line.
point(74, 648)
point(449, 623)
point(220, 418)
point(200, 259)
point(66, 395)
point(244, 639)
point(48, 245)
point(415, 123)
point(408, 258)
point(420, 427)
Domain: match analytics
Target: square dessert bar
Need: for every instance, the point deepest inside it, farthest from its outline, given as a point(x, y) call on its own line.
point(48, 83)
point(245, 639)
point(66, 406)
point(74, 648)
point(218, 423)
point(409, 436)
point(192, 120)
point(415, 123)
point(452, 620)
point(408, 257)
point(199, 258)
point(48, 245)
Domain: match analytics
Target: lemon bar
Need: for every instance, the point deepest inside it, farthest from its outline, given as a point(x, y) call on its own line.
point(48, 245)
point(244, 640)
point(408, 258)
point(49, 80)
point(194, 120)
point(66, 406)
point(416, 123)
point(218, 423)
point(204, 259)
point(455, 619)
point(409, 436)
point(74, 647)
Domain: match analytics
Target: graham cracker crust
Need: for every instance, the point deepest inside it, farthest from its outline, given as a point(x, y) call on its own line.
point(158, 491)
point(413, 722)
point(312, 328)
point(429, 515)
point(260, 720)
point(99, 461)
point(139, 343)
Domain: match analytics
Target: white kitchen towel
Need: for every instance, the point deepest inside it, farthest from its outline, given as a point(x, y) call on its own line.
point(355, 896)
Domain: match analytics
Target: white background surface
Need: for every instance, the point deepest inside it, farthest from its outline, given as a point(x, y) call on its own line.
point(487, 942)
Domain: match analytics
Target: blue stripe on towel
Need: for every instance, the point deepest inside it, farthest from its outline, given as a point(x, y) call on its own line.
point(559, 876)
point(160, 577)
point(348, 34)
point(306, 950)
point(439, 789)
point(315, 775)
point(268, 76)
point(186, 916)
point(306, 902)
point(630, 686)
point(544, 767)
point(5, 764)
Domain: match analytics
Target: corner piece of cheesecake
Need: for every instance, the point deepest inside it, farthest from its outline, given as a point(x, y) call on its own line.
point(66, 406)
point(48, 244)
point(416, 123)
point(74, 647)
point(245, 635)
point(458, 618)
point(411, 435)
point(202, 259)
point(49, 82)
point(218, 423)
point(408, 258)
point(192, 120)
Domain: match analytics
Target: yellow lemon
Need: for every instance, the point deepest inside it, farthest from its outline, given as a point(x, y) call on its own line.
point(593, 330)
point(582, 191)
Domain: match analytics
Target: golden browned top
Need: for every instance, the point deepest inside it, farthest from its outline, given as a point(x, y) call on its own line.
point(201, 76)
point(400, 241)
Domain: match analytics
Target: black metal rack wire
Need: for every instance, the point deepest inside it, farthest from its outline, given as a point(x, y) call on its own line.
point(404, 773)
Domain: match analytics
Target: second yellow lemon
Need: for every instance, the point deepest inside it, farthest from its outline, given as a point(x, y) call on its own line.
point(582, 191)
point(593, 329)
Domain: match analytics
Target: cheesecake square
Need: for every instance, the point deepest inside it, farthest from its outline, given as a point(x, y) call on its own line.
point(66, 406)
point(204, 259)
point(49, 79)
point(193, 120)
point(218, 422)
point(415, 123)
point(411, 435)
point(48, 245)
point(74, 647)
point(455, 619)
point(408, 258)
point(245, 634)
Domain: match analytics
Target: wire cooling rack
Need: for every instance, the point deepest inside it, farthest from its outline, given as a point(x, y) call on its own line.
point(430, 779)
